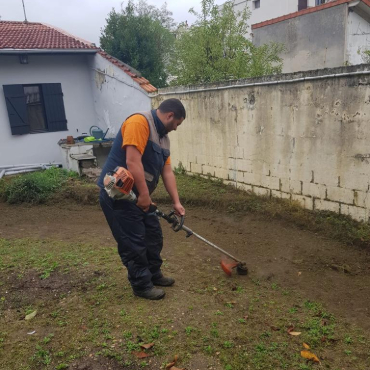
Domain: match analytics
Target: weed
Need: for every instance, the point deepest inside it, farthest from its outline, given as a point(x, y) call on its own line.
point(35, 187)
point(228, 344)
point(41, 356)
point(131, 346)
point(189, 330)
point(47, 339)
point(61, 366)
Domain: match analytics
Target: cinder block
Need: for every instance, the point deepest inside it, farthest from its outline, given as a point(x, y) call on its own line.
point(238, 152)
point(355, 181)
point(195, 168)
point(362, 198)
point(252, 178)
point(221, 173)
point(261, 191)
point(206, 170)
point(291, 186)
point(240, 176)
point(314, 190)
point(280, 170)
point(270, 182)
point(244, 165)
point(328, 177)
point(280, 194)
point(245, 187)
point(305, 202)
point(341, 195)
point(357, 213)
point(324, 205)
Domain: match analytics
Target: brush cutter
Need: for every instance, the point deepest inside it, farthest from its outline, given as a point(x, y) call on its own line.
point(177, 224)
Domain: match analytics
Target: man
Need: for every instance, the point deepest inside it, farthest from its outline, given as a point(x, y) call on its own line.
point(143, 147)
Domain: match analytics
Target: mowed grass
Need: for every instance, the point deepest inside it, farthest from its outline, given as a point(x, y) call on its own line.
point(86, 311)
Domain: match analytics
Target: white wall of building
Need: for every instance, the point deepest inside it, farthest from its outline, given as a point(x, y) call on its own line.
point(74, 76)
point(269, 9)
point(116, 96)
point(358, 38)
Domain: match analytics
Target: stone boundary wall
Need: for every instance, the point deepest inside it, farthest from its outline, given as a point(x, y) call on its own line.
point(307, 140)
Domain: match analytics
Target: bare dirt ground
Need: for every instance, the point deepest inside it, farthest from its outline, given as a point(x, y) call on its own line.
point(292, 265)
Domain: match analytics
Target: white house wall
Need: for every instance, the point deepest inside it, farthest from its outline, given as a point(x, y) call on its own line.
point(69, 70)
point(115, 94)
point(358, 38)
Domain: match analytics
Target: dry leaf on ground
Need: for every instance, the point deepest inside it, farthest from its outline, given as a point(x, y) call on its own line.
point(292, 332)
point(305, 345)
point(140, 354)
point(147, 346)
point(176, 368)
point(310, 356)
point(173, 363)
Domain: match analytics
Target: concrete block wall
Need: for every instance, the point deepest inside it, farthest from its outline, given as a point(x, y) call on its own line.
point(306, 141)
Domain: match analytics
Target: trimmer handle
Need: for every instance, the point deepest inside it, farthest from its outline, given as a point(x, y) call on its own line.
point(177, 222)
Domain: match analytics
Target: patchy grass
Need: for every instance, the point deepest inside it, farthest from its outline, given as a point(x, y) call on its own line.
point(86, 311)
point(194, 191)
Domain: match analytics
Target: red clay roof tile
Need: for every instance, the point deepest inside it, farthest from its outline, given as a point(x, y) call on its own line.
point(22, 35)
point(30, 35)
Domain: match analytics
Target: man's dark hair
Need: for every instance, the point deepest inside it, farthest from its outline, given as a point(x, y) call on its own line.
point(173, 106)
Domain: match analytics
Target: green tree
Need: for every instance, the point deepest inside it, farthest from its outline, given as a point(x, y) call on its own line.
point(140, 35)
point(216, 48)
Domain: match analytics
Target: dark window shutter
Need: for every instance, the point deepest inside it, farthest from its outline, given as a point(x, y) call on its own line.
point(302, 4)
point(17, 109)
point(54, 107)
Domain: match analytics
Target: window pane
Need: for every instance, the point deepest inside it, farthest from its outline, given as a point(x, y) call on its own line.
point(35, 109)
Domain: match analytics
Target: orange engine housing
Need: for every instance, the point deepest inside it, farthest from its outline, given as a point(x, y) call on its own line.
point(124, 181)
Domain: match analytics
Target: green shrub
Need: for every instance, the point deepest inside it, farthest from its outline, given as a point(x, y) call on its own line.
point(35, 187)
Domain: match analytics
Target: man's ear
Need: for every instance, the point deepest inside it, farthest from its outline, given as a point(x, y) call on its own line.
point(170, 115)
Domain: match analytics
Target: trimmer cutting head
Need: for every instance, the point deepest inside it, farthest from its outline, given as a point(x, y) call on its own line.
point(227, 266)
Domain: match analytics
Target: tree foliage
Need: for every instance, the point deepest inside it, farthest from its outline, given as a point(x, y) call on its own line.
point(140, 35)
point(216, 48)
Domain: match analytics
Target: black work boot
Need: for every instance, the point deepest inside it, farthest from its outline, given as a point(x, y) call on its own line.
point(164, 281)
point(153, 294)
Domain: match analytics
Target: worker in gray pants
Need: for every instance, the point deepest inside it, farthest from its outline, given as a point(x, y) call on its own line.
point(142, 147)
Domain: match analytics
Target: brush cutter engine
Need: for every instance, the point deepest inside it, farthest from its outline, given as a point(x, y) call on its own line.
point(119, 183)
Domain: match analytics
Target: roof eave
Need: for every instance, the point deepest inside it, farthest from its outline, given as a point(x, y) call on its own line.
point(48, 51)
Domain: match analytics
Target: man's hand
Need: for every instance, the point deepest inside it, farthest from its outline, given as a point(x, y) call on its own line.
point(144, 202)
point(179, 209)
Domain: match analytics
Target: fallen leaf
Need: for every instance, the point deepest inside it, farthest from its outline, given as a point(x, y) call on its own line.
point(140, 354)
point(176, 368)
point(305, 345)
point(173, 363)
point(147, 346)
point(32, 332)
point(292, 332)
point(299, 273)
point(31, 315)
point(246, 317)
point(274, 328)
point(310, 356)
